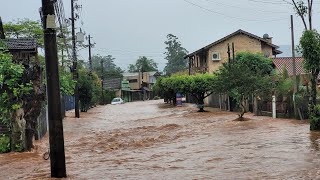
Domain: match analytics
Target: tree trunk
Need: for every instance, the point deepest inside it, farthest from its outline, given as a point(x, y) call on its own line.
point(313, 91)
point(201, 104)
point(243, 107)
point(255, 106)
point(18, 131)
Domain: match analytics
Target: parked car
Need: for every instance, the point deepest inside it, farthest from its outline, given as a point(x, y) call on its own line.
point(117, 101)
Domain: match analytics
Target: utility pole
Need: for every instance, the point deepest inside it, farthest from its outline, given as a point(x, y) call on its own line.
point(102, 78)
point(75, 62)
point(295, 83)
point(2, 36)
point(90, 60)
point(56, 139)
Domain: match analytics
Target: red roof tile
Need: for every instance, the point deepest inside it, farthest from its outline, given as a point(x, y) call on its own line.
point(286, 62)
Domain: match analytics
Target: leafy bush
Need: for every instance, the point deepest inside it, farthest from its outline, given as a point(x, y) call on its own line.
point(200, 86)
point(85, 90)
point(315, 118)
point(4, 144)
point(89, 89)
point(67, 84)
point(96, 97)
point(12, 89)
point(108, 96)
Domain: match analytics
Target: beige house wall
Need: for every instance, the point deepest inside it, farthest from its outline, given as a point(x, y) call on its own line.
point(134, 85)
point(144, 77)
point(266, 50)
point(242, 43)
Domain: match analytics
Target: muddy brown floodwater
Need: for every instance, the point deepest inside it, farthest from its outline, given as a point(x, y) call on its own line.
point(149, 140)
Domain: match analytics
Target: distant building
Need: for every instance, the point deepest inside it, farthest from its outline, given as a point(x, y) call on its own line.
point(141, 79)
point(113, 84)
point(22, 49)
point(140, 84)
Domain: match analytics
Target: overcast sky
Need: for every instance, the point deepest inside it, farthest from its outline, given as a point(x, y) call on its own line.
point(127, 29)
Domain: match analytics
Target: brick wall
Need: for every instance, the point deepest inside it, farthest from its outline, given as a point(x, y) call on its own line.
point(242, 43)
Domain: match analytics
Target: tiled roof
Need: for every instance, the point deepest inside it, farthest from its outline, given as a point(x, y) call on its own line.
point(21, 44)
point(286, 62)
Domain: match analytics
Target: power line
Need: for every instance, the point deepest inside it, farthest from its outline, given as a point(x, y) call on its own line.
point(231, 17)
point(124, 51)
point(245, 8)
point(270, 2)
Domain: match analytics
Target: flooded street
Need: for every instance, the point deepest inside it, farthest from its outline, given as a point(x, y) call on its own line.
point(149, 140)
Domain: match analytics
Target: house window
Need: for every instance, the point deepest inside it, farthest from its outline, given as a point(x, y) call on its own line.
point(133, 80)
point(197, 62)
point(216, 56)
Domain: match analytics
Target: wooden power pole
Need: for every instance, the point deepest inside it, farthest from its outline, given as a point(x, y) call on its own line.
point(75, 62)
point(90, 58)
point(102, 79)
point(2, 36)
point(56, 140)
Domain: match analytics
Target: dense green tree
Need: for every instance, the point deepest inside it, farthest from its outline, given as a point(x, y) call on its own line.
point(200, 86)
point(247, 75)
point(175, 54)
point(110, 69)
point(67, 84)
point(303, 10)
point(90, 92)
point(24, 28)
point(64, 44)
point(15, 94)
point(310, 47)
point(143, 64)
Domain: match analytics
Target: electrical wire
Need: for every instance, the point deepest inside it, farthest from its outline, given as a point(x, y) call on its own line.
point(59, 9)
point(246, 8)
point(231, 17)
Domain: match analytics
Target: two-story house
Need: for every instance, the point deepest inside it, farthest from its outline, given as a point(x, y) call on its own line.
point(210, 58)
point(139, 82)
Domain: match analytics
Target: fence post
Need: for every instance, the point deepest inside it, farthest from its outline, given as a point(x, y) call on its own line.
point(274, 111)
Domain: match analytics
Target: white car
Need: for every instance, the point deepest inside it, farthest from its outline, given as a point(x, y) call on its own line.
point(116, 101)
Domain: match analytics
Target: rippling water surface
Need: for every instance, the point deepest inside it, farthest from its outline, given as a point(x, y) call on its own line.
point(149, 140)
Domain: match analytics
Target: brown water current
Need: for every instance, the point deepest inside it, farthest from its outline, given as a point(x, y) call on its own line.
point(150, 140)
